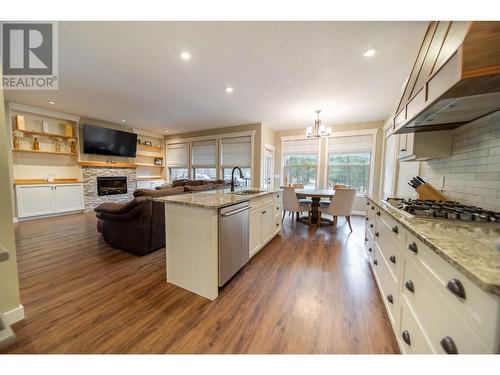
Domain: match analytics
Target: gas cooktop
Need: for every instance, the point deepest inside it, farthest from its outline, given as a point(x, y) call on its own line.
point(443, 209)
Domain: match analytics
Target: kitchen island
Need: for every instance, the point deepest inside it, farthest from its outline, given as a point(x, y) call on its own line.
point(193, 233)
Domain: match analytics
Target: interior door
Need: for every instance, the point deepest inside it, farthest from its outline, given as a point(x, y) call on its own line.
point(268, 182)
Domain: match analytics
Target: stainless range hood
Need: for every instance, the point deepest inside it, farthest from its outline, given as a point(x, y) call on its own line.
point(455, 78)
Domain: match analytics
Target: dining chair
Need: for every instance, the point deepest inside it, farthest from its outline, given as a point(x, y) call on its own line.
point(327, 201)
point(301, 197)
point(341, 205)
point(292, 204)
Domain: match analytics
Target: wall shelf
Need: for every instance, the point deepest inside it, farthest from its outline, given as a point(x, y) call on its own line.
point(103, 164)
point(43, 152)
point(148, 165)
point(149, 156)
point(148, 178)
point(150, 148)
point(51, 135)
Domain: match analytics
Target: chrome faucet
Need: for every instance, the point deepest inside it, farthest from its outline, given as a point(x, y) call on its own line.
point(232, 176)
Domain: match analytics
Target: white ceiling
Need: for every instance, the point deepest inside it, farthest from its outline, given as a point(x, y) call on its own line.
point(281, 72)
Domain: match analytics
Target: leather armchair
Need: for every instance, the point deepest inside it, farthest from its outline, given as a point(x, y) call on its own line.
point(137, 226)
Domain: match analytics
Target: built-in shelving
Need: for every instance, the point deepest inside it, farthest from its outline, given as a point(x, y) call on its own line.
point(104, 164)
point(148, 165)
point(150, 148)
point(149, 155)
point(43, 152)
point(149, 178)
point(51, 135)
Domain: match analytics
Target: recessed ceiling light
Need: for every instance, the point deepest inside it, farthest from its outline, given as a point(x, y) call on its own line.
point(52, 102)
point(166, 131)
point(229, 89)
point(369, 52)
point(185, 55)
point(124, 120)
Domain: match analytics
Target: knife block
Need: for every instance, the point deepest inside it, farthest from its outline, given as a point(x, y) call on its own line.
point(427, 191)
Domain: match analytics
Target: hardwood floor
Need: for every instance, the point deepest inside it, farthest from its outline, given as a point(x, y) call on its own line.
point(308, 291)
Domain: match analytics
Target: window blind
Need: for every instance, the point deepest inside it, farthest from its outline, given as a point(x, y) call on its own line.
point(204, 153)
point(178, 155)
point(300, 147)
point(350, 143)
point(236, 151)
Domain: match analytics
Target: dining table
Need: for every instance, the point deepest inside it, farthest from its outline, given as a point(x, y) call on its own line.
point(316, 195)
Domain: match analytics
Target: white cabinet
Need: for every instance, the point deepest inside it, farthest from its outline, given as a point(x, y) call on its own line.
point(414, 282)
point(425, 146)
point(153, 184)
point(34, 200)
point(68, 197)
point(39, 200)
point(264, 221)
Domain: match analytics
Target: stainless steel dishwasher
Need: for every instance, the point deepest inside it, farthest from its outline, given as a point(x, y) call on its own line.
point(234, 222)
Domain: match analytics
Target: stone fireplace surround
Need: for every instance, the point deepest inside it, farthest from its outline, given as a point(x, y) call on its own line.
point(90, 175)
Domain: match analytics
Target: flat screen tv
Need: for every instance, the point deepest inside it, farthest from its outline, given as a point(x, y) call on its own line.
point(105, 141)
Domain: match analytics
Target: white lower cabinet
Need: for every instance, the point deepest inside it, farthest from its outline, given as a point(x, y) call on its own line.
point(40, 200)
point(264, 224)
point(414, 283)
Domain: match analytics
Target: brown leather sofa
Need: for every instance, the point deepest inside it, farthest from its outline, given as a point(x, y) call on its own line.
point(137, 226)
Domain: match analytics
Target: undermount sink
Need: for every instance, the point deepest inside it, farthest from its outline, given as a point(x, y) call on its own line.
point(246, 192)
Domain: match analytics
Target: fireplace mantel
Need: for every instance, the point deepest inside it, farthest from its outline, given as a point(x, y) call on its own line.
point(103, 164)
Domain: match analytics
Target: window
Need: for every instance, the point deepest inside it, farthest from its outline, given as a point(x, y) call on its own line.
point(300, 162)
point(177, 173)
point(204, 159)
point(237, 152)
point(247, 174)
point(349, 161)
point(178, 161)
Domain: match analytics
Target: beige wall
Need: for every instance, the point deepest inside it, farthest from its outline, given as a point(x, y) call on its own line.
point(257, 147)
point(338, 128)
point(9, 285)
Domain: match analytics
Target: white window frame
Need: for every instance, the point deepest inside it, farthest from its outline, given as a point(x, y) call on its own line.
point(353, 133)
point(298, 138)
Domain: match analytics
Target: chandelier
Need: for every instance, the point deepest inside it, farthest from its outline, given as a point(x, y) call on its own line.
point(318, 130)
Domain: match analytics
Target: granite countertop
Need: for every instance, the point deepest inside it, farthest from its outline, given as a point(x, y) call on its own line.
point(214, 199)
point(469, 247)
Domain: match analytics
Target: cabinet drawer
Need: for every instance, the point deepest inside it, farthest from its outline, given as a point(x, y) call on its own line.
point(369, 245)
point(395, 229)
point(388, 287)
point(439, 320)
point(390, 249)
point(411, 336)
point(480, 310)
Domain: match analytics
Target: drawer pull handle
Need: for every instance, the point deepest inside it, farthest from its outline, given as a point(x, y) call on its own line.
point(395, 229)
point(406, 337)
point(448, 345)
point(375, 262)
point(456, 287)
point(371, 225)
point(367, 203)
point(373, 207)
point(366, 219)
point(263, 212)
point(413, 247)
point(410, 286)
point(370, 249)
point(377, 234)
point(392, 258)
point(390, 299)
point(366, 239)
point(378, 213)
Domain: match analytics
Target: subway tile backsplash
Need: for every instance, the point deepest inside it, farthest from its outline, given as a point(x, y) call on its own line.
point(472, 173)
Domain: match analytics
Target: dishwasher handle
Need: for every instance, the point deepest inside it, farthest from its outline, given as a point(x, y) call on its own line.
point(236, 211)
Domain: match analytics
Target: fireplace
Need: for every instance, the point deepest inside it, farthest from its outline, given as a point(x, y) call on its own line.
point(111, 185)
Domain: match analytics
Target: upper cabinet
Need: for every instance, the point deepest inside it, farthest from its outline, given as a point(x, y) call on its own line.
point(455, 78)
